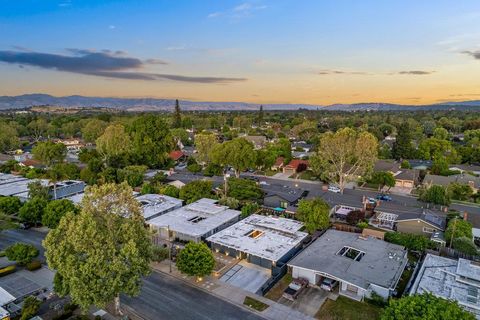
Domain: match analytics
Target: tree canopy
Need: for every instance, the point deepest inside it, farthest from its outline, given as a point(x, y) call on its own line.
point(238, 153)
point(103, 251)
point(196, 190)
point(55, 210)
point(345, 155)
point(244, 189)
point(196, 259)
point(314, 213)
point(49, 152)
point(22, 253)
point(424, 307)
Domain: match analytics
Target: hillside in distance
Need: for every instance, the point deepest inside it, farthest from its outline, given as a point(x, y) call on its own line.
point(154, 104)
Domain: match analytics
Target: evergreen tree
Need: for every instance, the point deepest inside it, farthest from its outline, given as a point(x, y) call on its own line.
point(177, 117)
point(402, 148)
point(260, 115)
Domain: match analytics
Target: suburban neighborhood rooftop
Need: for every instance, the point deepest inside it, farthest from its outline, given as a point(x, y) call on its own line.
point(154, 205)
point(263, 236)
point(197, 218)
point(381, 263)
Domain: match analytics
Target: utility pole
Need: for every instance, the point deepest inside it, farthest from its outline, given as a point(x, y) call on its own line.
point(453, 232)
point(170, 249)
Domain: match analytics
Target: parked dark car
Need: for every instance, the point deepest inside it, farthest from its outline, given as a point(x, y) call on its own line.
point(26, 225)
point(384, 197)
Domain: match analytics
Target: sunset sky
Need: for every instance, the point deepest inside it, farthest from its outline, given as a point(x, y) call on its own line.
point(278, 51)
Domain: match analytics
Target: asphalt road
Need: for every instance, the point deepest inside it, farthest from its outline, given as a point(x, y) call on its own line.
point(164, 297)
point(350, 197)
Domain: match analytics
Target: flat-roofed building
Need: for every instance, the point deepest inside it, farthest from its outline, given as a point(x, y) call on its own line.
point(262, 240)
point(154, 205)
point(450, 279)
point(361, 265)
point(195, 221)
point(6, 178)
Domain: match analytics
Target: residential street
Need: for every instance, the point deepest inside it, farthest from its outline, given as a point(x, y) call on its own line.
point(9, 237)
point(164, 297)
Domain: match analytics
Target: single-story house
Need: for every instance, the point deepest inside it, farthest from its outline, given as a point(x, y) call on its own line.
point(464, 178)
point(466, 168)
point(278, 164)
point(420, 223)
point(154, 205)
point(280, 196)
point(295, 166)
point(195, 221)
point(406, 178)
point(361, 265)
point(457, 280)
point(387, 166)
point(177, 156)
point(262, 240)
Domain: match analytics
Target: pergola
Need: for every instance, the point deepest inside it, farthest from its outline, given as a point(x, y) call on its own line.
point(386, 219)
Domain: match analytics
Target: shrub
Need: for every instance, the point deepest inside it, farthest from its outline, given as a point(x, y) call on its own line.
point(410, 241)
point(21, 252)
point(33, 265)
point(249, 208)
point(465, 245)
point(230, 202)
point(30, 307)
point(7, 270)
point(160, 254)
point(353, 217)
point(362, 225)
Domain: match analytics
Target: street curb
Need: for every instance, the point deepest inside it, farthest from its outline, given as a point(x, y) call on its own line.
point(213, 294)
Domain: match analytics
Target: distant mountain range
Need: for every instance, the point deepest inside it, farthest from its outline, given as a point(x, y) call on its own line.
point(151, 104)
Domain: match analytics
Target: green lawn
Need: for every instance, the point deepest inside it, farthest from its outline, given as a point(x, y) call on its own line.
point(255, 304)
point(276, 292)
point(307, 175)
point(347, 309)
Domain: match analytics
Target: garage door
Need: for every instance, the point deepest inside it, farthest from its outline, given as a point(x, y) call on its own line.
point(352, 288)
point(408, 184)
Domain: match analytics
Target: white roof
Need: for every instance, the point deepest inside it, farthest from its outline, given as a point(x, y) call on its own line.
point(274, 238)
point(19, 187)
point(184, 220)
point(5, 297)
point(9, 178)
point(154, 205)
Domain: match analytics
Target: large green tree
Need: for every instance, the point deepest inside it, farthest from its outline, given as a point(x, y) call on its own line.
point(49, 152)
point(345, 155)
point(458, 228)
point(93, 129)
point(30, 307)
point(10, 205)
point(103, 251)
point(244, 189)
point(238, 153)
point(32, 211)
point(177, 116)
point(151, 140)
point(55, 210)
point(8, 137)
point(196, 259)
point(424, 307)
point(113, 143)
point(196, 190)
point(314, 213)
point(383, 179)
point(436, 194)
point(204, 143)
point(402, 147)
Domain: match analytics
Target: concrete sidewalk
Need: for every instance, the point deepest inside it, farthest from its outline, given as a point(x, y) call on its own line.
point(224, 291)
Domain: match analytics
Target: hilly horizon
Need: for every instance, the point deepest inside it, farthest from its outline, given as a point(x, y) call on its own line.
point(159, 104)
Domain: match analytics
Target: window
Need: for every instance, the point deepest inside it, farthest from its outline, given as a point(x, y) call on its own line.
point(196, 219)
point(351, 253)
point(254, 234)
point(283, 204)
point(428, 230)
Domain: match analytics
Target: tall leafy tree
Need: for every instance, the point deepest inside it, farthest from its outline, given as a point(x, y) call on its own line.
point(314, 213)
point(196, 259)
point(93, 129)
point(151, 141)
point(402, 147)
point(425, 307)
point(38, 128)
point(177, 116)
point(55, 210)
point(436, 194)
point(114, 142)
point(260, 115)
point(102, 252)
point(204, 143)
point(345, 155)
point(22, 253)
point(49, 152)
point(32, 211)
point(10, 205)
point(238, 153)
point(196, 190)
point(383, 179)
point(8, 137)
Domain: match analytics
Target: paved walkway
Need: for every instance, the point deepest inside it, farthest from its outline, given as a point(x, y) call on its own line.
point(275, 311)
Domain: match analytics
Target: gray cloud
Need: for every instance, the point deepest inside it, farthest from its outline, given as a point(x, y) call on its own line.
point(475, 54)
point(106, 63)
point(326, 72)
point(416, 72)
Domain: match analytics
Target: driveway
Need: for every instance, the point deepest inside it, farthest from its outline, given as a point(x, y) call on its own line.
point(308, 302)
point(247, 276)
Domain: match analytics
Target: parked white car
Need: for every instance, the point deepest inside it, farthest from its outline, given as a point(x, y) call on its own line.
point(334, 189)
point(328, 284)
